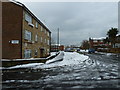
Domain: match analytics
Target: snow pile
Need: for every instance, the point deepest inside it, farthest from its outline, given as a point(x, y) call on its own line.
point(31, 65)
point(70, 58)
point(57, 58)
point(53, 53)
point(63, 59)
point(83, 51)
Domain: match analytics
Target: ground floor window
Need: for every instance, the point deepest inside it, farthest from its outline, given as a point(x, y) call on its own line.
point(27, 53)
point(48, 51)
point(36, 52)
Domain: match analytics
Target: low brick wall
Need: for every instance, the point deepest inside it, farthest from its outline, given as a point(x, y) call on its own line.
point(114, 50)
point(20, 62)
point(111, 50)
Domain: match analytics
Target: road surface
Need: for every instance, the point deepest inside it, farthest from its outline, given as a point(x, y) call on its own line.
point(74, 72)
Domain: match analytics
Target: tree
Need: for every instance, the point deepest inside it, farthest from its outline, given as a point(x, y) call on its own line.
point(85, 44)
point(112, 35)
point(106, 40)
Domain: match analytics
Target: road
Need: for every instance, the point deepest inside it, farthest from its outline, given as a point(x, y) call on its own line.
point(76, 71)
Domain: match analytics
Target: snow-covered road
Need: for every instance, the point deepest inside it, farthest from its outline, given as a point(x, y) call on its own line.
point(74, 71)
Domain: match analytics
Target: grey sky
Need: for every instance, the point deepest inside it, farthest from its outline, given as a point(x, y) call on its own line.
point(77, 21)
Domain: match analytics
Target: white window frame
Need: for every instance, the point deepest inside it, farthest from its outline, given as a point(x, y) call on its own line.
point(36, 52)
point(36, 38)
point(28, 18)
point(28, 35)
point(45, 31)
point(27, 53)
point(36, 24)
point(45, 40)
point(48, 34)
point(48, 42)
point(48, 51)
point(41, 39)
point(41, 28)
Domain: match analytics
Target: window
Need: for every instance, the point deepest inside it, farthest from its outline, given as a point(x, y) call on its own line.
point(95, 41)
point(36, 25)
point(45, 31)
point(45, 41)
point(41, 28)
point(28, 18)
point(28, 35)
point(36, 52)
point(36, 38)
point(48, 33)
point(27, 53)
point(41, 39)
point(45, 50)
point(48, 42)
point(48, 51)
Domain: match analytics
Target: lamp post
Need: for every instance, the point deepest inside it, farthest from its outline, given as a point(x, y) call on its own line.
point(58, 37)
point(57, 45)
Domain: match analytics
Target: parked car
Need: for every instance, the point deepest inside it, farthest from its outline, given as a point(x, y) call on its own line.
point(91, 50)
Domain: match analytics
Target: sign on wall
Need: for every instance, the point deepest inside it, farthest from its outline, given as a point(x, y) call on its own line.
point(15, 41)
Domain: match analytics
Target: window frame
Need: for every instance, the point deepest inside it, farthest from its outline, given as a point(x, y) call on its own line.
point(28, 35)
point(36, 24)
point(28, 18)
point(27, 53)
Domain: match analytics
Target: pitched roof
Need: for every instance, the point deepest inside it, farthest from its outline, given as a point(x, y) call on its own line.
point(26, 9)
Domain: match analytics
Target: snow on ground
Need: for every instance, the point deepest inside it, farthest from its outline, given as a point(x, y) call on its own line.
point(83, 50)
point(70, 58)
point(52, 54)
point(57, 58)
point(30, 65)
point(104, 53)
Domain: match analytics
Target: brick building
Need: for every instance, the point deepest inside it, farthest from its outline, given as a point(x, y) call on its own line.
point(57, 47)
point(98, 43)
point(23, 34)
point(117, 43)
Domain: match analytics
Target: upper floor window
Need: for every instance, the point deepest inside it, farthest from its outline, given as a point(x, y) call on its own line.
point(45, 40)
point(28, 18)
point(48, 34)
point(36, 25)
point(28, 35)
point(41, 39)
point(41, 28)
point(48, 42)
point(45, 31)
point(36, 38)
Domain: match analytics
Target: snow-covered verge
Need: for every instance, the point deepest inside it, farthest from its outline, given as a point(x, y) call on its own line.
point(30, 65)
point(104, 53)
point(83, 51)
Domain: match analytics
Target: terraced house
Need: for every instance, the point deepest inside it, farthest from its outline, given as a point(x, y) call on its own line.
point(23, 34)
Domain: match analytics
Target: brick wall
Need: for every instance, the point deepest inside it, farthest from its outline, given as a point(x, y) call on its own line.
point(11, 30)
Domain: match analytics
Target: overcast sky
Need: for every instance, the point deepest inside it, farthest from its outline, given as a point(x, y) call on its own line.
point(77, 21)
